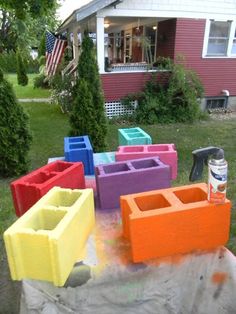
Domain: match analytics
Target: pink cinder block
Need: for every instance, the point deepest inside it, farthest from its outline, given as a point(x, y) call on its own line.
point(27, 190)
point(166, 152)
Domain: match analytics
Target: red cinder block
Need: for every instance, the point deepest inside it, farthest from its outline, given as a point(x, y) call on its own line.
point(27, 190)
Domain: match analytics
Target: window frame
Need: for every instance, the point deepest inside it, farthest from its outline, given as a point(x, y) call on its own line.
point(231, 37)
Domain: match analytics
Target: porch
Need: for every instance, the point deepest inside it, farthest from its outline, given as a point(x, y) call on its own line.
point(123, 44)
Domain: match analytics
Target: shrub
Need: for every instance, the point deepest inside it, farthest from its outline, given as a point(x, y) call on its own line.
point(22, 77)
point(8, 62)
point(40, 81)
point(177, 100)
point(88, 71)
point(183, 94)
point(83, 107)
point(62, 91)
point(15, 137)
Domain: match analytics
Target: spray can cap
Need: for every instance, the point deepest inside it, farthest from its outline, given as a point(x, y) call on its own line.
point(218, 154)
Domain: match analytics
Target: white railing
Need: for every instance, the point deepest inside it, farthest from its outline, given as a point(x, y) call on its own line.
point(70, 68)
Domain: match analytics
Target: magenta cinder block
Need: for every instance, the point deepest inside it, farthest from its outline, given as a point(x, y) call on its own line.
point(166, 152)
point(27, 190)
point(127, 177)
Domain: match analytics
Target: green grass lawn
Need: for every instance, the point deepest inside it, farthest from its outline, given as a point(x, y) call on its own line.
point(27, 91)
point(50, 126)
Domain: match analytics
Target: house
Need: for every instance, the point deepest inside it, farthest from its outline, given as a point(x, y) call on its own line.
point(131, 34)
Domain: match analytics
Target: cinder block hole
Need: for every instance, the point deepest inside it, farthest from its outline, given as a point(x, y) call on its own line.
point(191, 195)
point(40, 177)
point(115, 168)
point(45, 219)
point(142, 164)
point(136, 135)
point(133, 130)
point(59, 167)
point(132, 149)
point(159, 148)
point(76, 139)
point(77, 146)
point(63, 198)
point(150, 202)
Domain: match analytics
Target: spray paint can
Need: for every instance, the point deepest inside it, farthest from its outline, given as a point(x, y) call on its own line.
point(217, 178)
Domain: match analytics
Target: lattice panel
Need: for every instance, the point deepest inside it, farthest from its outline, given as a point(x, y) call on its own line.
point(115, 108)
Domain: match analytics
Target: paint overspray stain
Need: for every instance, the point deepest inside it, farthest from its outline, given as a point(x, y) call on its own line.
point(219, 279)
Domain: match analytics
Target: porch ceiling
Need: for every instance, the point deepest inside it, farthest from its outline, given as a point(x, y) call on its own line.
point(120, 23)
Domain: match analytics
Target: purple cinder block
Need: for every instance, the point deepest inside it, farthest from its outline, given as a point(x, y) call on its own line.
point(132, 176)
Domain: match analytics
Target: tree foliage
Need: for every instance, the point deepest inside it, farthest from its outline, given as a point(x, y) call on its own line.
point(82, 118)
point(22, 77)
point(34, 8)
point(24, 33)
point(15, 136)
point(88, 72)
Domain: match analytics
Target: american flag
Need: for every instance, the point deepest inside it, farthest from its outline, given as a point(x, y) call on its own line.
point(54, 51)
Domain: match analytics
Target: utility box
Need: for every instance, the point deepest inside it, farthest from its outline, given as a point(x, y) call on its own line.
point(79, 149)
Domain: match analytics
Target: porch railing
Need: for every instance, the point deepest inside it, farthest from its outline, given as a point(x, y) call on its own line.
point(136, 66)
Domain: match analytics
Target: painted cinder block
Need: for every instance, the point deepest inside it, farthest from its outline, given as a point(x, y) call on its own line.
point(103, 158)
point(173, 221)
point(121, 178)
point(166, 152)
point(133, 136)
point(50, 237)
point(27, 190)
point(79, 149)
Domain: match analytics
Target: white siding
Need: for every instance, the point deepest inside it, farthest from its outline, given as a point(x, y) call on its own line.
point(221, 9)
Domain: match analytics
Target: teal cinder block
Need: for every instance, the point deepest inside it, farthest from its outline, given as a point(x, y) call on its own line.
point(133, 136)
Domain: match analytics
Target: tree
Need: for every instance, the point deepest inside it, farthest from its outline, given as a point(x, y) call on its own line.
point(82, 118)
point(35, 8)
point(8, 35)
point(15, 136)
point(22, 77)
point(42, 46)
point(88, 71)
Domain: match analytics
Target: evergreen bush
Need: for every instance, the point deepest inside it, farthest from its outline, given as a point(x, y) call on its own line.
point(88, 71)
point(22, 77)
point(82, 118)
point(8, 62)
point(42, 46)
point(15, 136)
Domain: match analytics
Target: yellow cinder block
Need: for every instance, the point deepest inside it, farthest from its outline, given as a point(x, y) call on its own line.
point(50, 237)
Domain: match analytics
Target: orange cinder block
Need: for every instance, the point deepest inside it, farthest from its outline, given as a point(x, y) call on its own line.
point(173, 221)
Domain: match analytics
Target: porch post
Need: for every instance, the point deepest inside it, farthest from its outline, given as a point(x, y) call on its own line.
point(75, 44)
point(100, 44)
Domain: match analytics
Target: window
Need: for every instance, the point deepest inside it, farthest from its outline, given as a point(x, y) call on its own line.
point(220, 39)
point(233, 51)
point(216, 104)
